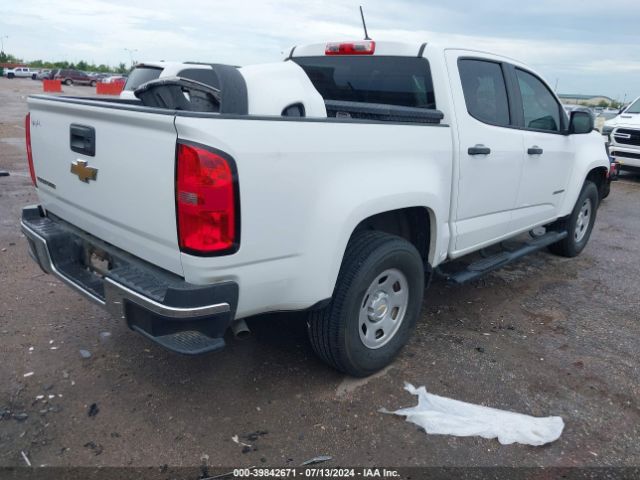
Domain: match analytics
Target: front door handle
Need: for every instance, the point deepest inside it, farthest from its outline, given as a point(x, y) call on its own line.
point(479, 150)
point(535, 150)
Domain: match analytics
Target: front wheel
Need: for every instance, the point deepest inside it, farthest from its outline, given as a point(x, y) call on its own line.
point(10, 75)
point(93, 83)
point(375, 305)
point(580, 223)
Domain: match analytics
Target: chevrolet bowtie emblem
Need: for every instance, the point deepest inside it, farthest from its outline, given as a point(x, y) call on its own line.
point(84, 172)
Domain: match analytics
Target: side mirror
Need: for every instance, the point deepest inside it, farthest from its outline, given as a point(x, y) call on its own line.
point(580, 122)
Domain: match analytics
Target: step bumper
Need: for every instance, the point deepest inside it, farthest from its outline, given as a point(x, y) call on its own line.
point(182, 317)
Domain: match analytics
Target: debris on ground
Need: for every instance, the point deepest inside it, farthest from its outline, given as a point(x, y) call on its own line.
point(237, 440)
point(20, 417)
point(318, 459)
point(445, 416)
point(105, 336)
point(252, 437)
point(96, 448)
point(85, 353)
point(25, 458)
point(93, 410)
point(28, 374)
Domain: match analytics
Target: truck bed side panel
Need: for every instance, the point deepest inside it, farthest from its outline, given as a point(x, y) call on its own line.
point(304, 187)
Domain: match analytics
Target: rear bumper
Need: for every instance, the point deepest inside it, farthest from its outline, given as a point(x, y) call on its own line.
point(180, 316)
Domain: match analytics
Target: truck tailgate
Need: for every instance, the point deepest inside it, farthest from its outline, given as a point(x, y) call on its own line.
point(130, 203)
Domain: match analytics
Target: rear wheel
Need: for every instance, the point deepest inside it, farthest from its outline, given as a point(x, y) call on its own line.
point(10, 75)
point(93, 83)
point(580, 223)
point(375, 305)
point(68, 81)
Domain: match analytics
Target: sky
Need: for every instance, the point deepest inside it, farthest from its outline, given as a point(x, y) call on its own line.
point(586, 46)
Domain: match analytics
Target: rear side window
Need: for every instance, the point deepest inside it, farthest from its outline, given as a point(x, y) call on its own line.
point(403, 81)
point(140, 75)
point(485, 91)
point(541, 110)
point(202, 75)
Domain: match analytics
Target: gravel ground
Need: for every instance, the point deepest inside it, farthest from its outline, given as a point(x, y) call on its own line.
point(545, 336)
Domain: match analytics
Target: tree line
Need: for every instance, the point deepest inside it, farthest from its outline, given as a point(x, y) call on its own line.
point(81, 65)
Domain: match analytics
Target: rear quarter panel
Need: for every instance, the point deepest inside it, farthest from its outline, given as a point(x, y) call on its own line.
point(304, 187)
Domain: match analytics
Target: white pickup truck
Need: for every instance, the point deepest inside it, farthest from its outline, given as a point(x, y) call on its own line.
point(623, 133)
point(334, 183)
point(21, 72)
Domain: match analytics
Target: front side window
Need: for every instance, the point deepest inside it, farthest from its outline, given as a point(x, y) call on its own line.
point(541, 110)
point(485, 92)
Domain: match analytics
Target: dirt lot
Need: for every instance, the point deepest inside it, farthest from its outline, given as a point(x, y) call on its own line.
point(546, 336)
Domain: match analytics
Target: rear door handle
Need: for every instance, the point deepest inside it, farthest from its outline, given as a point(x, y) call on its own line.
point(535, 150)
point(479, 150)
point(82, 139)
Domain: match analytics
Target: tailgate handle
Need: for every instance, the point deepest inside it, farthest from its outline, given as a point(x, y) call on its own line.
point(82, 139)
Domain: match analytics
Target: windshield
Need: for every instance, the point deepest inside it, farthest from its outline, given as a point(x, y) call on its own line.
point(390, 80)
point(140, 75)
point(634, 107)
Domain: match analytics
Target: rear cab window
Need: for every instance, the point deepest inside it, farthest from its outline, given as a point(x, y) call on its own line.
point(401, 81)
point(485, 91)
point(140, 75)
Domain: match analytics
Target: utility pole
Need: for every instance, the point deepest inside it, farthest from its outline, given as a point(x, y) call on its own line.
point(2, 37)
point(131, 52)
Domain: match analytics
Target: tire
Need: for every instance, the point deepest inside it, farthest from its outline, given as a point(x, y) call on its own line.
point(68, 81)
point(578, 232)
point(10, 75)
point(363, 303)
point(93, 83)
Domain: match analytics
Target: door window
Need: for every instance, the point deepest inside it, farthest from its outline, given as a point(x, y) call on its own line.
point(485, 92)
point(541, 110)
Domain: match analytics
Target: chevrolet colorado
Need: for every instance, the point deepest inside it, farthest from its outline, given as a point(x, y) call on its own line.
point(334, 182)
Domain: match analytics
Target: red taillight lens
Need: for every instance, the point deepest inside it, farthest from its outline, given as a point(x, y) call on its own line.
point(351, 48)
point(206, 200)
point(27, 131)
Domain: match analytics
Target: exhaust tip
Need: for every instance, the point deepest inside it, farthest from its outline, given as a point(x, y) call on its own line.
point(240, 329)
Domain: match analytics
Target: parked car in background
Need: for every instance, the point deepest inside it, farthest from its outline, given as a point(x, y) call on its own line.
point(20, 72)
point(147, 71)
point(70, 76)
point(43, 74)
point(114, 78)
point(623, 133)
point(579, 108)
point(99, 77)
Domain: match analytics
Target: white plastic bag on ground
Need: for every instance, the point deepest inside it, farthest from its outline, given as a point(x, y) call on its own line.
point(445, 416)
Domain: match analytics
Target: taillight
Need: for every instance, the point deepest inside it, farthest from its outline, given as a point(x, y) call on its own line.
point(27, 131)
point(366, 47)
point(206, 201)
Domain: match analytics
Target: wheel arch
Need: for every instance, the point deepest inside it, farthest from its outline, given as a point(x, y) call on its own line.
point(415, 224)
point(598, 175)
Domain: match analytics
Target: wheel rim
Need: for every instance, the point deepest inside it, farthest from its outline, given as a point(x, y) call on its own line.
point(584, 218)
point(383, 308)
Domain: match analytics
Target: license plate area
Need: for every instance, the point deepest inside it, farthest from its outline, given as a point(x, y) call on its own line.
point(97, 260)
